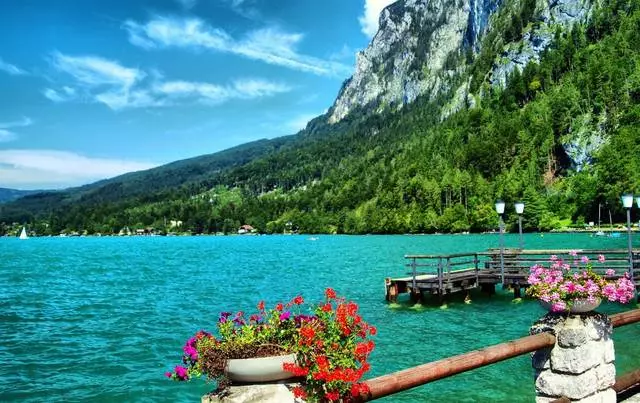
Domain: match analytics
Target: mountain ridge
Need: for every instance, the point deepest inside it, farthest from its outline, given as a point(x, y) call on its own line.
point(417, 169)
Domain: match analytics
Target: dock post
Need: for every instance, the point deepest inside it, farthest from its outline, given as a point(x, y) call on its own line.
point(415, 295)
point(442, 299)
point(516, 291)
point(488, 288)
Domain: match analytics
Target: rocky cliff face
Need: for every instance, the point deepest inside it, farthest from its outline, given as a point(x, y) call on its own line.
point(408, 56)
point(421, 45)
point(536, 38)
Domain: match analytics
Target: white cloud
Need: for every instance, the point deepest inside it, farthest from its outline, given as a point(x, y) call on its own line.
point(32, 169)
point(370, 18)
point(211, 93)
point(269, 45)
point(11, 68)
point(96, 71)
point(23, 122)
point(118, 87)
point(8, 135)
point(53, 95)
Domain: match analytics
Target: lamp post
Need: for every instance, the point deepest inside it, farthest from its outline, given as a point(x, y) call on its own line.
point(519, 211)
point(627, 202)
point(500, 211)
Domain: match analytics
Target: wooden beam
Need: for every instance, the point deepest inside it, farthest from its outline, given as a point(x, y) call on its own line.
point(422, 374)
point(625, 318)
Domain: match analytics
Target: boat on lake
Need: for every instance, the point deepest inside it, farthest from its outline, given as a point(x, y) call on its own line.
point(23, 234)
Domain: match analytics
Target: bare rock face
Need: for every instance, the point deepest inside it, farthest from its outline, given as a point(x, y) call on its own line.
point(421, 45)
point(409, 55)
point(537, 37)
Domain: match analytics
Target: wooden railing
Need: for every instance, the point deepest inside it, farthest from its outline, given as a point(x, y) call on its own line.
point(420, 375)
point(516, 260)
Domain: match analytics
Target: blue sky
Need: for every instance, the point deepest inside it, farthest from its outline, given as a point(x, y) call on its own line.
point(93, 89)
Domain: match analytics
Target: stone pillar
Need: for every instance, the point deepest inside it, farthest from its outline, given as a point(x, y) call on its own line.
point(255, 393)
point(581, 364)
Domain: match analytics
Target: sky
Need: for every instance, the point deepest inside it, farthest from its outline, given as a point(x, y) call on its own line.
point(93, 89)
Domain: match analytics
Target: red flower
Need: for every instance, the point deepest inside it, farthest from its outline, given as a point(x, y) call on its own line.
point(279, 307)
point(358, 389)
point(298, 300)
point(330, 293)
point(294, 369)
point(261, 306)
point(327, 307)
point(299, 392)
point(333, 396)
point(373, 330)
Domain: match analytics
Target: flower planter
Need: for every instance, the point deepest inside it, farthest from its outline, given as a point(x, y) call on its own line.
point(264, 369)
point(578, 306)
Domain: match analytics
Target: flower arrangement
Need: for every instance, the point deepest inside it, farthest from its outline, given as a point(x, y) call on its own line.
point(332, 352)
point(331, 344)
point(563, 283)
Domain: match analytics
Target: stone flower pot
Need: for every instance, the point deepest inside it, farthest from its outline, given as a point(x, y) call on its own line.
point(264, 369)
point(578, 306)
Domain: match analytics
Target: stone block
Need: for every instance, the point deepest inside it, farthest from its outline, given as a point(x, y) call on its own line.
point(574, 387)
point(579, 359)
point(258, 393)
point(606, 375)
point(605, 396)
point(569, 337)
point(609, 351)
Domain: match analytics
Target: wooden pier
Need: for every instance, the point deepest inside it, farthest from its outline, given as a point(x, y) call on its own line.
point(442, 275)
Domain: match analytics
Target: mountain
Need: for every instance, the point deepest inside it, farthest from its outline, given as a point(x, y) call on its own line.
point(453, 105)
point(413, 53)
point(7, 195)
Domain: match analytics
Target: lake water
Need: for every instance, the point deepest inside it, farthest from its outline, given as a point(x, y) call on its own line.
point(102, 319)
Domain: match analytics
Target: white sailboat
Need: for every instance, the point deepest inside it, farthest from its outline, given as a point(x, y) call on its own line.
point(23, 234)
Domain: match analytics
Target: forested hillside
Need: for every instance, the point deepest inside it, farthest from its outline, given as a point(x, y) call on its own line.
point(563, 136)
point(12, 194)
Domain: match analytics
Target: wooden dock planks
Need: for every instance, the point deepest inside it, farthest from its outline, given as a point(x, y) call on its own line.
point(442, 275)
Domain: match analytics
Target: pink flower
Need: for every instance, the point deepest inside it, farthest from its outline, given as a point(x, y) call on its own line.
point(610, 272)
point(573, 253)
point(559, 306)
point(181, 373)
point(584, 259)
point(601, 258)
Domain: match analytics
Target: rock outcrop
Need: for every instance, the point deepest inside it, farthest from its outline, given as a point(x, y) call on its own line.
point(415, 51)
point(421, 47)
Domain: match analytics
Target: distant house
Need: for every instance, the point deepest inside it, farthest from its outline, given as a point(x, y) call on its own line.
point(246, 229)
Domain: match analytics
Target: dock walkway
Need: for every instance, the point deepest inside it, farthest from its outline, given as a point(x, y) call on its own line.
point(442, 275)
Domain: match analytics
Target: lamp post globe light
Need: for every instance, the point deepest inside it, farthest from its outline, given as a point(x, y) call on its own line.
point(627, 202)
point(500, 211)
point(519, 210)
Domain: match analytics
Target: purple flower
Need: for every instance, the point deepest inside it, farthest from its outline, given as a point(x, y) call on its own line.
point(224, 316)
point(191, 352)
point(181, 373)
point(285, 315)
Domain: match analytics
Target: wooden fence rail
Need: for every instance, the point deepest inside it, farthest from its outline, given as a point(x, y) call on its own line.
point(422, 374)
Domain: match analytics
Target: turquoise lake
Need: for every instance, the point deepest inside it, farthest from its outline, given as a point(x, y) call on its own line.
point(102, 319)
